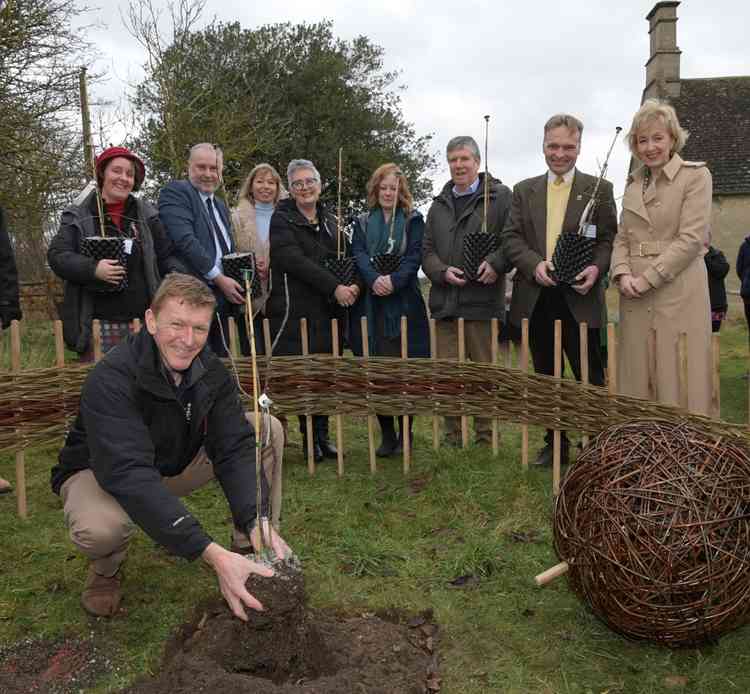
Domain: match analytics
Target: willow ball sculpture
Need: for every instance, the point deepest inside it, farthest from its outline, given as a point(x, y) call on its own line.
point(654, 523)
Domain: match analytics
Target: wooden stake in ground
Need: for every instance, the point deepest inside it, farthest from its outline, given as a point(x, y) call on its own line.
point(308, 417)
point(525, 369)
point(339, 418)
point(405, 431)
point(15, 366)
point(495, 338)
point(59, 345)
point(370, 418)
point(462, 359)
point(557, 436)
point(583, 338)
point(551, 574)
point(96, 337)
point(434, 355)
point(233, 338)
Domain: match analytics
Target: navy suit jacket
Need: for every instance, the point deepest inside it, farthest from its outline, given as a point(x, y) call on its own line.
point(185, 217)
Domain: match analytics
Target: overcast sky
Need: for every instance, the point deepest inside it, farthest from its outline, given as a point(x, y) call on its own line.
point(520, 62)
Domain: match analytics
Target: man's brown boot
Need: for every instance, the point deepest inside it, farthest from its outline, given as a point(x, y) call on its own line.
point(101, 595)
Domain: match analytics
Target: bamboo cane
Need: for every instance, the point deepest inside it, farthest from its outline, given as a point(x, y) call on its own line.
point(250, 328)
point(308, 417)
point(486, 205)
point(370, 418)
point(405, 431)
point(557, 435)
point(339, 419)
point(339, 253)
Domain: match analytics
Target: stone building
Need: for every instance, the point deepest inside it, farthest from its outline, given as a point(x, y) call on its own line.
point(716, 112)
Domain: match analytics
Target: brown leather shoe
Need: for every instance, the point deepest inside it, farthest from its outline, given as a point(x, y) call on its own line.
point(101, 595)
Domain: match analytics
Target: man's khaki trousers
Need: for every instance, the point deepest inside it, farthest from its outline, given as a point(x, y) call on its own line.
point(478, 340)
point(100, 528)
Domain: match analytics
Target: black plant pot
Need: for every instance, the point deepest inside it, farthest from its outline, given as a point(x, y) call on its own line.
point(477, 246)
point(235, 265)
point(106, 248)
point(573, 252)
point(386, 263)
point(343, 269)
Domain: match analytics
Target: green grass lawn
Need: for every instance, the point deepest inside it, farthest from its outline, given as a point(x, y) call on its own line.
point(384, 542)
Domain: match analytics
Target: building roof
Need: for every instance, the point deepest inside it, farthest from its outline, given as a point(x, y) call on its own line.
point(716, 112)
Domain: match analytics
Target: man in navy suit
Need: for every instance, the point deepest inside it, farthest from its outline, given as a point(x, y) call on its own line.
point(198, 224)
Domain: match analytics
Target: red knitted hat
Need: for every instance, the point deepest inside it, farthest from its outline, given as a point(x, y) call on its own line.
point(114, 152)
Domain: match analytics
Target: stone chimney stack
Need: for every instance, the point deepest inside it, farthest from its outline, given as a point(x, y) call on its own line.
point(663, 66)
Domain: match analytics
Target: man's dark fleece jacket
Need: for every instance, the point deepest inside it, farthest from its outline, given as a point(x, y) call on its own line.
point(135, 426)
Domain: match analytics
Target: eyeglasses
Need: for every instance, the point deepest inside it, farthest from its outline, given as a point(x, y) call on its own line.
point(303, 183)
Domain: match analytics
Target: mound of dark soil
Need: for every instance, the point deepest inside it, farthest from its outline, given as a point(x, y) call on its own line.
point(291, 649)
point(62, 666)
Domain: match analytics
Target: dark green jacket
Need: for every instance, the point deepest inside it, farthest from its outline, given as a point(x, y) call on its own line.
point(443, 246)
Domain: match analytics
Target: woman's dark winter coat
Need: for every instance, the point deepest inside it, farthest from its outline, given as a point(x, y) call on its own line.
point(298, 251)
point(81, 285)
point(405, 284)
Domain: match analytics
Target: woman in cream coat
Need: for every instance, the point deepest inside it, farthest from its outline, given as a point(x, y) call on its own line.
point(657, 264)
point(251, 221)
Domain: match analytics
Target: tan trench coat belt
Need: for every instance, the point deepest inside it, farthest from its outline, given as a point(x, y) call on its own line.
point(646, 248)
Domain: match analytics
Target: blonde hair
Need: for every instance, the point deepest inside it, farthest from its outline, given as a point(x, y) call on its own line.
point(651, 110)
point(246, 189)
point(184, 288)
point(564, 120)
point(405, 199)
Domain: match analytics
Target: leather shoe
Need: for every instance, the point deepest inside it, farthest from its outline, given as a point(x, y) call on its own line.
point(546, 454)
point(328, 449)
point(5, 486)
point(101, 594)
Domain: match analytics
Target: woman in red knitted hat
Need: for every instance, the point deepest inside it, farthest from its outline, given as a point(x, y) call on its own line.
point(115, 291)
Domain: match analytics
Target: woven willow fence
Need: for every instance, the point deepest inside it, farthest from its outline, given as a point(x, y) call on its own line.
point(37, 405)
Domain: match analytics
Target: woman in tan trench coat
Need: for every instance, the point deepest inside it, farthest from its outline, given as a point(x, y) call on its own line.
point(251, 221)
point(657, 264)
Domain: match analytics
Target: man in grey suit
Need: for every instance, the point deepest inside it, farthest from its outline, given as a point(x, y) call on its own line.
point(198, 224)
point(543, 207)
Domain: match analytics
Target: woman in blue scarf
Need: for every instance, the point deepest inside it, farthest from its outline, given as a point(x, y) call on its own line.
point(394, 291)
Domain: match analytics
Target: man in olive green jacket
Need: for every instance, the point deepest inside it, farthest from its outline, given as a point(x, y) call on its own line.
point(457, 211)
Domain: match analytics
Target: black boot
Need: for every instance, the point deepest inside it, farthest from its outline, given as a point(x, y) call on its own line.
point(317, 453)
point(400, 446)
point(327, 449)
point(389, 443)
